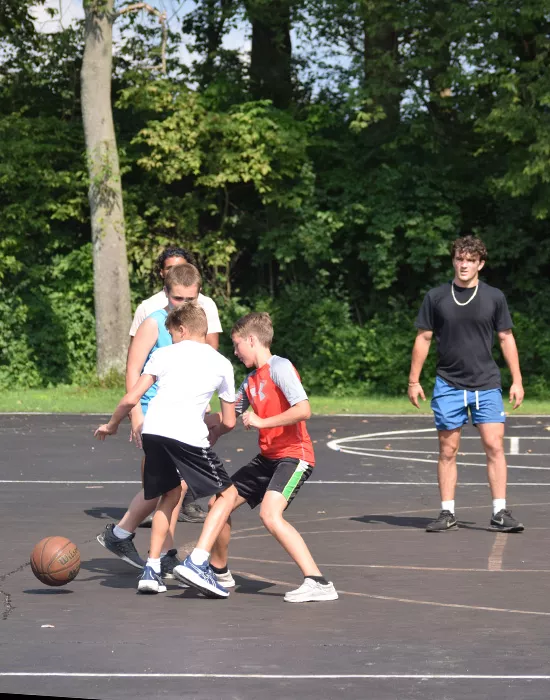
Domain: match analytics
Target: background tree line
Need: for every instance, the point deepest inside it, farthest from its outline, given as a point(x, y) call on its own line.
point(319, 176)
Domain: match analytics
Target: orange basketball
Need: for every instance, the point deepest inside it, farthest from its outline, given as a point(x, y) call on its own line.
point(55, 561)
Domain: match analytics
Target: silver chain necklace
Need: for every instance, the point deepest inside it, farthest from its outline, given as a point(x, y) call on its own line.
point(462, 303)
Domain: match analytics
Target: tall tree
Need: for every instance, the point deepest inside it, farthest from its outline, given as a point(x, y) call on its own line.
point(111, 284)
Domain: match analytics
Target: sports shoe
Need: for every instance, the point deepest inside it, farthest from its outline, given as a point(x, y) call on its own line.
point(226, 580)
point(167, 563)
point(310, 591)
point(503, 521)
point(445, 521)
point(201, 577)
point(150, 582)
point(125, 549)
point(192, 513)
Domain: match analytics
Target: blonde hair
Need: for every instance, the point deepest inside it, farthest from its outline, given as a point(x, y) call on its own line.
point(189, 315)
point(185, 275)
point(256, 323)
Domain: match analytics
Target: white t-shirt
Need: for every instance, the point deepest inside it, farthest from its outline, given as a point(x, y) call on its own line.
point(188, 373)
point(160, 301)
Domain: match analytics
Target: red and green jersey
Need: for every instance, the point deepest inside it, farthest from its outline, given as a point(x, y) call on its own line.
point(270, 390)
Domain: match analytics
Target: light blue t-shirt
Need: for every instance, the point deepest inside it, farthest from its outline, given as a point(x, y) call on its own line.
point(164, 338)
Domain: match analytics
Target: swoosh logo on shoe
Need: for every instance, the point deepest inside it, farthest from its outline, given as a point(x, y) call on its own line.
point(498, 522)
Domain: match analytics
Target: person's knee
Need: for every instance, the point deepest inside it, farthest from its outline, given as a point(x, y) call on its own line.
point(448, 452)
point(270, 519)
point(494, 447)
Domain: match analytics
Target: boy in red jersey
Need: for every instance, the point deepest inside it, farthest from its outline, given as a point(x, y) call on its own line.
point(274, 477)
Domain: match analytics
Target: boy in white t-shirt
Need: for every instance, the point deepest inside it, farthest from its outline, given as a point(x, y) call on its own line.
point(178, 455)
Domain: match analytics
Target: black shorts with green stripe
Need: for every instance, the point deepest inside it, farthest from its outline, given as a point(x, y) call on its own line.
point(285, 476)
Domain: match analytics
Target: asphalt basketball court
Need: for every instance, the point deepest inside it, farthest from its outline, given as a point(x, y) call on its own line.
point(462, 614)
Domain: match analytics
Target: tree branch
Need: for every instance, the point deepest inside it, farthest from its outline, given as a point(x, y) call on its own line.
point(162, 21)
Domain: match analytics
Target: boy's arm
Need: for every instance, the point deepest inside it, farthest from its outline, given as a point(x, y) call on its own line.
point(510, 353)
point(286, 378)
point(300, 411)
point(145, 338)
point(128, 401)
point(420, 352)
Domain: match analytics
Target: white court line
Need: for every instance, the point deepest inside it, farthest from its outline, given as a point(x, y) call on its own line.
point(497, 552)
point(387, 455)
point(514, 445)
point(307, 483)
point(283, 676)
point(426, 452)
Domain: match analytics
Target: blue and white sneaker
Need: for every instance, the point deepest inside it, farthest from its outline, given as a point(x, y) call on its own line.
point(150, 582)
point(201, 577)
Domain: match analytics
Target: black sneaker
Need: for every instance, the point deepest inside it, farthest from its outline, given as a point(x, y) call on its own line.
point(446, 521)
point(167, 563)
point(125, 549)
point(503, 521)
point(192, 513)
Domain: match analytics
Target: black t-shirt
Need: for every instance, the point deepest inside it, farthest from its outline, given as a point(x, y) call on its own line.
point(465, 334)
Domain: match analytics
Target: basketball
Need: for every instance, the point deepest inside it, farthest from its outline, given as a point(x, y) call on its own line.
point(55, 561)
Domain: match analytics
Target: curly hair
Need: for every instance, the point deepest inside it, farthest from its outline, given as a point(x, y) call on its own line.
point(173, 252)
point(471, 246)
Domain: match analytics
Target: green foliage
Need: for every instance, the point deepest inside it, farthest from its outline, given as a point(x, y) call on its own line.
point(404, 125)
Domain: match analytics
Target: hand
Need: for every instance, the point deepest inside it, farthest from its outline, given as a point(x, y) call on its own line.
point(104, 430)
point(416, 390)
point(251, 420)
point(516, 395)
point(137, 426)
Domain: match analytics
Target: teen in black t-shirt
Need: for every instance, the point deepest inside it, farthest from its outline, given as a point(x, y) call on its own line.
point(464, 315)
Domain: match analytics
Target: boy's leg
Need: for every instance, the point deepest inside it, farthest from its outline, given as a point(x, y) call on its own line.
point(271, 515)
point(447, 475)
point(315, 587)
point(163, 519)
point(196, 570)
point(151, 581)
point(492, 437)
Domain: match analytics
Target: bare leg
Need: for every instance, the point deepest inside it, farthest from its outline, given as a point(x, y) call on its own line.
point(492, 436)
point(271, 514)
point(137, 511)
point(160, 526)
point(169, 541)
point(217, 517)
point(449, 441)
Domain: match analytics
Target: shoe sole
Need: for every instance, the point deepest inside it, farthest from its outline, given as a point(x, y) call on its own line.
point(322, 599)
point(199, 584)
point(448, 529)
point(102, 542)
point(517, 528)
point(186, 519)
point(227, 584)
point(150, 589)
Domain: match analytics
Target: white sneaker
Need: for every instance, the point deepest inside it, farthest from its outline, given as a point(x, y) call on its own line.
point(226, 580)
point(311, 590)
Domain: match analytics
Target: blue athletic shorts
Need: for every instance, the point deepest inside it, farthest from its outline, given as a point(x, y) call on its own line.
point(450, 406)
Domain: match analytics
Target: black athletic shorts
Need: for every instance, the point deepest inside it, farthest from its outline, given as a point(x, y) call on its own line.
point(168, 462)
point(284, 475)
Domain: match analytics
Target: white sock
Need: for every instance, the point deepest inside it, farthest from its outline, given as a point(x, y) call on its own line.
point(199, 556)
point(154, 564)
point(120, 533)
point(498, 505)
point(448, 505)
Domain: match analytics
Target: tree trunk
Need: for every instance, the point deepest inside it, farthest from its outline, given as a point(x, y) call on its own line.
point(271, 53)
point(111, 286)
point(382, 79)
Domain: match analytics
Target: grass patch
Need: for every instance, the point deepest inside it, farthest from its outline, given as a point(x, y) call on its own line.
point(72, 399)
